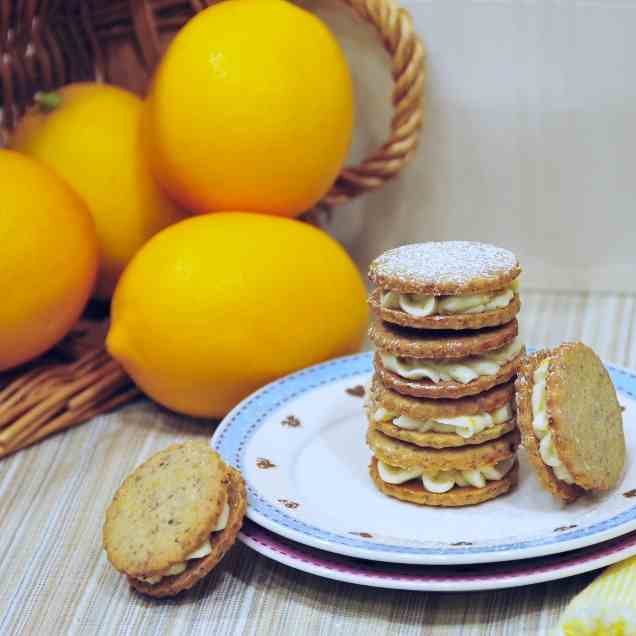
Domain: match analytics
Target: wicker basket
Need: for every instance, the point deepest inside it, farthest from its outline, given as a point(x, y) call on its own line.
point(45, 44)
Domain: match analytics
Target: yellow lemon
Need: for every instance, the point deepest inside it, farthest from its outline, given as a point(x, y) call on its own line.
point(49, 258)
point(251, 109)
point(214, 307)
point(89, 134)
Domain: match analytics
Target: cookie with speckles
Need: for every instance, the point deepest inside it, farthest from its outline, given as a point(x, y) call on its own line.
point(414, 492)
point(449, 389)
point(167, 509)
point(426, 409)
point(220, 543)
point(480, 320)
point(584, 420)
point(445, 268)
point(408, 456)
point(440, 345)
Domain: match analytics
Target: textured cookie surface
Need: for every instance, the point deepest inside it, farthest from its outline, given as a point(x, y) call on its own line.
point(165, 509)
point(448, 389)
point(397, 453)
point(585, 417)
point(567, 493)
point(221, 542)
point(445, 268)
point(489, 318)
point(440, 345)
point(423, 409)
point(414, 492)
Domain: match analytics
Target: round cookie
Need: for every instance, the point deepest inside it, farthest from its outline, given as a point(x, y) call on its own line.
point(440, 345)
point(168, 508)
point(397, 453)
point(448, 389)
point(221, 542)
point(164, 510)
point(445, 268)
point(414, 492)
point(584, 417)
point(490, 318)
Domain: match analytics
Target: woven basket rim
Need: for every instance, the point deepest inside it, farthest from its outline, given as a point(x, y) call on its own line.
point(44, 45)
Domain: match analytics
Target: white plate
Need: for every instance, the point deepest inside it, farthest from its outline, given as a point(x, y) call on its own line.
point(436, 578)
point(300, 444)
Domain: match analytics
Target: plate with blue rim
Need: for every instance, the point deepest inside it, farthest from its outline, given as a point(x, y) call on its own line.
point(300, 444)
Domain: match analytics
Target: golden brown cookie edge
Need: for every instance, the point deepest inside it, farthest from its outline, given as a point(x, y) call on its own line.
point(464, 496)
point(446, 390)
point(408, 456)
point(491, 318)
point(477, 285)
point(567, 493)
point(415, 344)
point(431, 439)
point(426, 409)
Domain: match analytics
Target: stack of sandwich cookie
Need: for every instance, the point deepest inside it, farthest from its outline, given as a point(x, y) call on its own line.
point(174, 518)
point(441, 407)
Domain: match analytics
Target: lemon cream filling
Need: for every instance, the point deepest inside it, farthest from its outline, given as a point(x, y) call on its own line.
point(541, 424)
point(443, 481)
point(464, 425)
point(463, 371)
point(422, 305)
point(203, 550)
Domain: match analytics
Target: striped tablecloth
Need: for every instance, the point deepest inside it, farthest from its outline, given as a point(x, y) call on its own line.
point(54, 577)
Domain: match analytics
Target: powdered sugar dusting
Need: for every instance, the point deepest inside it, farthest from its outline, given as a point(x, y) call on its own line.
point(447, 262)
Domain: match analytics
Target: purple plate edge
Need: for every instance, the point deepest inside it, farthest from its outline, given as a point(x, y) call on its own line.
point(396, 572)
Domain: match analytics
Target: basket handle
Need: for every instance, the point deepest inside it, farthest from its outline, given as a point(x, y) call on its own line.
point(395, 27)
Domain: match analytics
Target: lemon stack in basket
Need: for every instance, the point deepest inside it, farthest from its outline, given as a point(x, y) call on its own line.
point(441, 406)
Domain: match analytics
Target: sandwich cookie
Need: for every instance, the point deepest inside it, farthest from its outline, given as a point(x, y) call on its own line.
point(504, 478)
point(442, 423)
point(445, 285)
point(397, 453)
point(408, 343)
point(571, 421)
point(438, 365)
point(443, 477)
point(174, 518)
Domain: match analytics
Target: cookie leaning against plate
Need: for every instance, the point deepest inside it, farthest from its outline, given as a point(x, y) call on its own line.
point(445, 285)
point(442, 423)
point(174, 518)
point(571, 421)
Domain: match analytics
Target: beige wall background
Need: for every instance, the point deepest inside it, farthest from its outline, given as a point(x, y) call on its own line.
point(529, 139)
